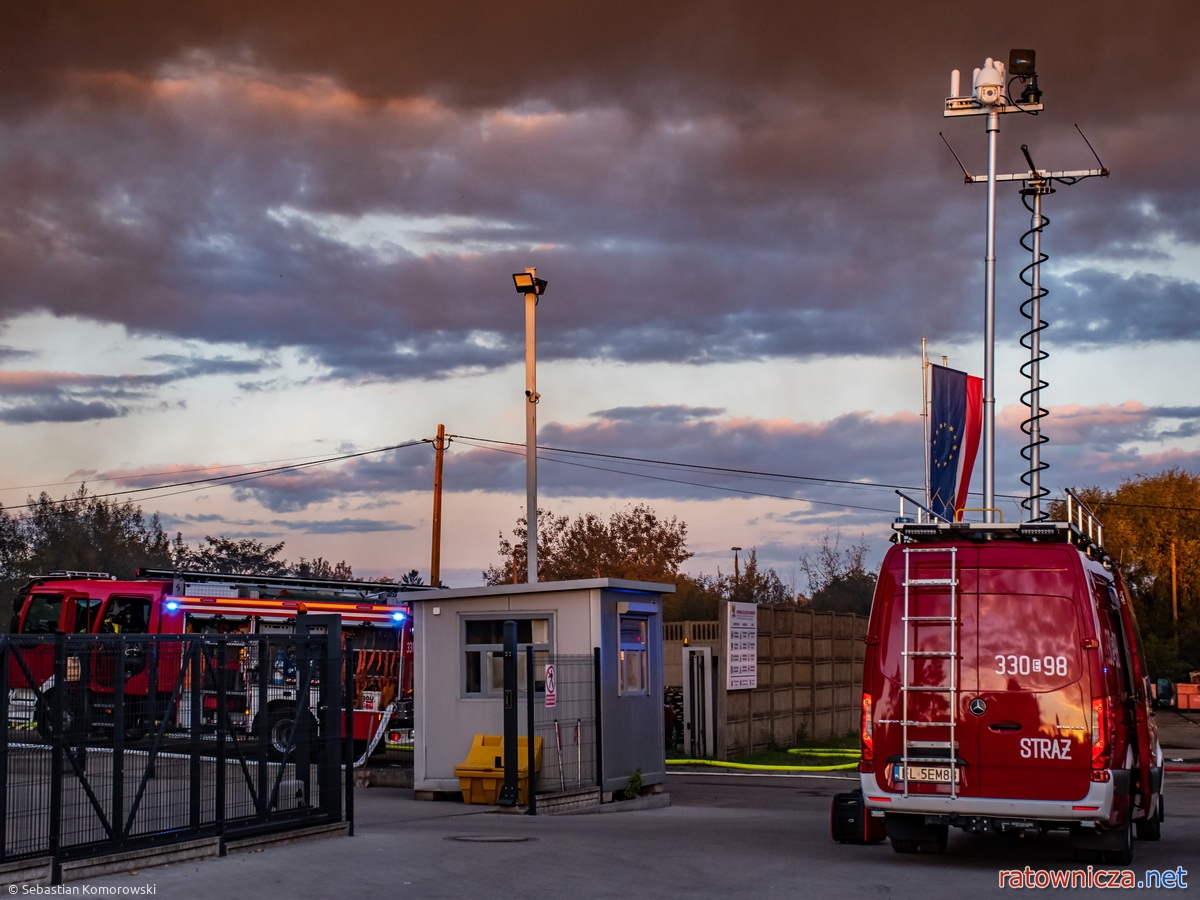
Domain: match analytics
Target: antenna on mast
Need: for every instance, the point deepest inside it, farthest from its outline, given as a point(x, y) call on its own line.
point(989, 98)
point(1036, 183)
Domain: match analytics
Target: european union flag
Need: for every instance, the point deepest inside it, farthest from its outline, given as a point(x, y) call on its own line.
point(956, 416)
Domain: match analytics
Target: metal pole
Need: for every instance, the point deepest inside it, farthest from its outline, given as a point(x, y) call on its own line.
point(925, 413)
point(989, 327)
point(509, 791)
point(531, 401)
point(530, 738)
point(1035, 368)
point(435, 562)
point(347, 712)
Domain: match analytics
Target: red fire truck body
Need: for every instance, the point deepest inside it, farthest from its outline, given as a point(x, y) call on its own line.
point(1004, 690)
point(162, 602)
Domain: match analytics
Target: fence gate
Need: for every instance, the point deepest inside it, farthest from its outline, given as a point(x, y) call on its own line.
point(569, 729)
point(698, 717)
point(120, 741)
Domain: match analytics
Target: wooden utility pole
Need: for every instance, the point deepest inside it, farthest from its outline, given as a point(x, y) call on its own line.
point(1174, 591)
point(435, 562)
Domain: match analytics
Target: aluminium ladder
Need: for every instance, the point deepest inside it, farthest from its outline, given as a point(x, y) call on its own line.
point(910, 655)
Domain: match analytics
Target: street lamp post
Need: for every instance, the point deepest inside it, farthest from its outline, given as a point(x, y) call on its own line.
point(532, 287)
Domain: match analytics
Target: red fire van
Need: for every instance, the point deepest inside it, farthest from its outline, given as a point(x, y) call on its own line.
point(1004, 690)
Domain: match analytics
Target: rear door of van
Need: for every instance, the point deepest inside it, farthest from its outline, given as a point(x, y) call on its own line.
point(924, 631)
point(1032, 704)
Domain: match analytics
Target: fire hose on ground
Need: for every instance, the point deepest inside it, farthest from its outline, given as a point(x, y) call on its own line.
point(818, 752)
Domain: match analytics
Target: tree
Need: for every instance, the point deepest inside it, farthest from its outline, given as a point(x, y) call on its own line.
point(1144, 519)
point(838, 579)
point(321, 569)
point(245, 556)
point(81, 532)
point(754, 585)
point(698, 598)
point(634, 543)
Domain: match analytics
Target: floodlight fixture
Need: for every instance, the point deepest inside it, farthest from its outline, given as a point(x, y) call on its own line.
point(528, 283)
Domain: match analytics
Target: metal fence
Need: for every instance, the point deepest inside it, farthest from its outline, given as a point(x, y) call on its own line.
point(569, 729)
point(115, 742)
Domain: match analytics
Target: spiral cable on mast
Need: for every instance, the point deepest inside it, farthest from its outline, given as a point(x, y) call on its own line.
point(1030, 340)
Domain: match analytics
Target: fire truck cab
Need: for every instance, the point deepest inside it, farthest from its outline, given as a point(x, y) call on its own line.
point(1004, 690)
point(163, 602)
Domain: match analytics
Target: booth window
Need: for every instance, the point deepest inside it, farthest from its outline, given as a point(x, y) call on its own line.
point(633, 668)
point(483, 653)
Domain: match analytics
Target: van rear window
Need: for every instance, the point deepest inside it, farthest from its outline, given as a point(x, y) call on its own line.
point(1027, 643)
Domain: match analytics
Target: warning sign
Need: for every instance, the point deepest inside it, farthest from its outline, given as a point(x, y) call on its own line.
point(551, 690)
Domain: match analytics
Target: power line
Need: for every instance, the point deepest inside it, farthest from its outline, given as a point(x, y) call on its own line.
point(700, 484)
point(221, 480)
point(142, 475)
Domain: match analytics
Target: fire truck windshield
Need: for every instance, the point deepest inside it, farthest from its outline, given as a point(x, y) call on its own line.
point(43, 613)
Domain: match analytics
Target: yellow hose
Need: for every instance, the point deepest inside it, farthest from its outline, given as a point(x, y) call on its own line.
point(734, 765)
point(831, 751)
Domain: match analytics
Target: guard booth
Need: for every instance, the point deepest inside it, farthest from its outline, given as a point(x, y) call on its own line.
point(604, 638)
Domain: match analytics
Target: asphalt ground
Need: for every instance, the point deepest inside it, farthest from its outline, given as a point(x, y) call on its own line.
point(723, 835)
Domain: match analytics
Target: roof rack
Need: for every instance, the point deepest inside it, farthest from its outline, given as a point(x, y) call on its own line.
point(277, 585)
point(67, 573)
point(1081, 528)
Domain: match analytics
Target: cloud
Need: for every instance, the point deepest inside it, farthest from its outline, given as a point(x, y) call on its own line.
point(340, 526)
point(60, 410)
point(44, 396)
point(712, 192)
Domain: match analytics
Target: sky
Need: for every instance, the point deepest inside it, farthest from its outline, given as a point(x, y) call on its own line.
point(238, 237)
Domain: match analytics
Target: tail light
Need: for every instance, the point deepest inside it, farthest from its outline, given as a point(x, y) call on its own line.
point(867, 729)
point(1100, 734)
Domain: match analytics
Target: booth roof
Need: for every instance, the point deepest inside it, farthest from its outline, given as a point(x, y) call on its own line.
point(542, 587)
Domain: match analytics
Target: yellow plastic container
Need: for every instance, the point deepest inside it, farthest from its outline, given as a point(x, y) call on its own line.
point(481, 774)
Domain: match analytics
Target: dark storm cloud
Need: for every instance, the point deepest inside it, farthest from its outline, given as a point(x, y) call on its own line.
point(720, 182)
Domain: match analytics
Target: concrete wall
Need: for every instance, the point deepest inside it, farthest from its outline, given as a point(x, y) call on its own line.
point(809, 681)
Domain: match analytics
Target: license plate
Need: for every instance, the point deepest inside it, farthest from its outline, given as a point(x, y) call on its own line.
point(926, 774)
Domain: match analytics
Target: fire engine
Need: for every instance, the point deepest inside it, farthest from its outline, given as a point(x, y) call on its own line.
point(165, 602)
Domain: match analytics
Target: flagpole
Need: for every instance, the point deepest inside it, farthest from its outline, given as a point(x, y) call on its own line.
point(925, 412)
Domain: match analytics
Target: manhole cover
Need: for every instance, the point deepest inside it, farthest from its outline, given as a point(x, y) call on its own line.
point(488, 839)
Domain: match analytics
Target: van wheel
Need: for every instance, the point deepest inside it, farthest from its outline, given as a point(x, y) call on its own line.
point(1122, 855)
point(1150, 828)
point(900, 845)
point(279, 733)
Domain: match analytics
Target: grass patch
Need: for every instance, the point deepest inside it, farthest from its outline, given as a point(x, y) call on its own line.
point(780, 756)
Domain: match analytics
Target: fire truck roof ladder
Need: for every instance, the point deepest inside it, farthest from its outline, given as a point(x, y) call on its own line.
point(187, 582)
